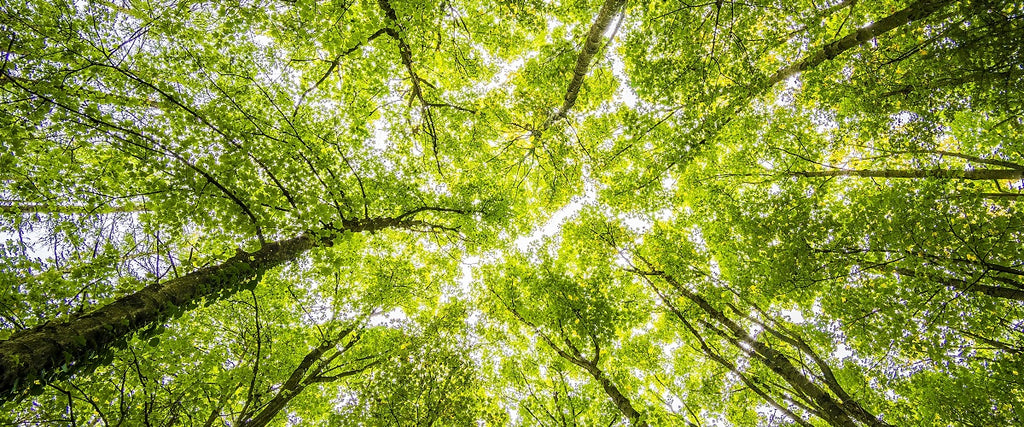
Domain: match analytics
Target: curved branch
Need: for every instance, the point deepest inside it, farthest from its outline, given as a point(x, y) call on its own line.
point(334, 65)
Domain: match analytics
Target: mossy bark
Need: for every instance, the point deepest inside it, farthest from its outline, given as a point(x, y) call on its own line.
point(54, 349)
point(590, 47)
point(40, 353)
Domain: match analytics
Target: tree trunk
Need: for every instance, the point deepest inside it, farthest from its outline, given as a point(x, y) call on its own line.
point(914, 12)
point(55, 349)
point(963, 285)
point(47, 349)
point(978, 174)
point(621, 401)
point(292, 387)
point(832, 410)
point(613, 392)
point(590, 48)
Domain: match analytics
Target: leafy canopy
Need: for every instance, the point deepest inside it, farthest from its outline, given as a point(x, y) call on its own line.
point(399, 212)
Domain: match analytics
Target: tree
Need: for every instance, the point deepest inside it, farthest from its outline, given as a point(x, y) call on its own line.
point(571, 317)
point(526, 213)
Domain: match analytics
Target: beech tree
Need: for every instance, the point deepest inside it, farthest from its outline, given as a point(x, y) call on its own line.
point(398, 212)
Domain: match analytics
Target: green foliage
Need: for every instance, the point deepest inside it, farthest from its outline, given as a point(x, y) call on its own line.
point(692, 226)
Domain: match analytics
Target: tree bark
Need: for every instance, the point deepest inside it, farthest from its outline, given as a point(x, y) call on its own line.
point(574, 357)
point(916, 11)
point(977, 174)
point(55, 349)
point(965, 286)
point(291, 388)
point(308, 372)
point(590, 48)
point(620, 400)
point(831, 409)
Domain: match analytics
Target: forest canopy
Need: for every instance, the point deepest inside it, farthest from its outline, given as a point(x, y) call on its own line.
point(405, 212)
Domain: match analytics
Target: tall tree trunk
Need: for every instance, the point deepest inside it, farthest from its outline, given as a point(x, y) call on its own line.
point(58, 348)
point(977, 174)
point(590, 48)
point(711, 354)
point(916, 11)
point(833, 410)
point(620, 400)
